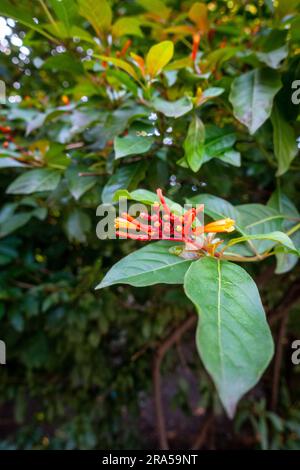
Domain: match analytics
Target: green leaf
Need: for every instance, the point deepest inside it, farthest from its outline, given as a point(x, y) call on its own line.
point(254, 219)
point(281, 203)
point(77, 225)
point(131, 145)
point(127, 26)
point(125, 177)
point(14, 222)
point(284, 140)
point(210, 93)
point(285, 262)
point(64, 62)
point(98, 13)
point(57, 29)
point(65, 11)
point(173, 109)
point(252, 96)
point(8, 162)
point(251, 219)
point(218, 141)
point(152, 264)
point(194, 144)
point(232, 157)
point(273, 58)
point(233, 337)
point(158, 57)
point(216, 58)
point(79, 185)
point(35, 181)
point(277, 237)
point(215, 207)
point(55, 157)
point(122, 78)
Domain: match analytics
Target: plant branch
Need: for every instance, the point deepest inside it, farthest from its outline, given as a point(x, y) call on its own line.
point(158, 357)
point(200, 439)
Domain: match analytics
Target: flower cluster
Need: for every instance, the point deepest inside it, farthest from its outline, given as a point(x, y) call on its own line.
point(163, 224)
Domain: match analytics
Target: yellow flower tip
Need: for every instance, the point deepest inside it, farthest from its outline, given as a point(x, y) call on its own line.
point(222, 225)
point(122, 223)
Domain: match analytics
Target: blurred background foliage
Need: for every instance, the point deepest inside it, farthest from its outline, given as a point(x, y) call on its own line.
point(80, 125)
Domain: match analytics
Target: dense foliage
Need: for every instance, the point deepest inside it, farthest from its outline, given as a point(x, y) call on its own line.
point(120, 98)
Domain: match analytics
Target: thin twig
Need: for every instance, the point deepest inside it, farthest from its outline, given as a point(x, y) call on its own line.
point(200, 439)
point(158, 357)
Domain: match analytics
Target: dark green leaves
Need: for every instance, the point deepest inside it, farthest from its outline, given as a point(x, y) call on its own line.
point(124, 177)
point(252, 96)
point(150, 265)
point(274, 58)
point(233, 337)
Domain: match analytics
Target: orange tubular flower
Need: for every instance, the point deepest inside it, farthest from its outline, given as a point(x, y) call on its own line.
point(164, 224)
point(124, 49)
point(223, 225)
point(196, 42)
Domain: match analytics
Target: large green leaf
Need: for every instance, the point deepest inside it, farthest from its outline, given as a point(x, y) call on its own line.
point(35, 181)
point(131, 145)
point(252, 96)
point(194, 143)
point(284, 139)
point(152, 264)
point(233, 337)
